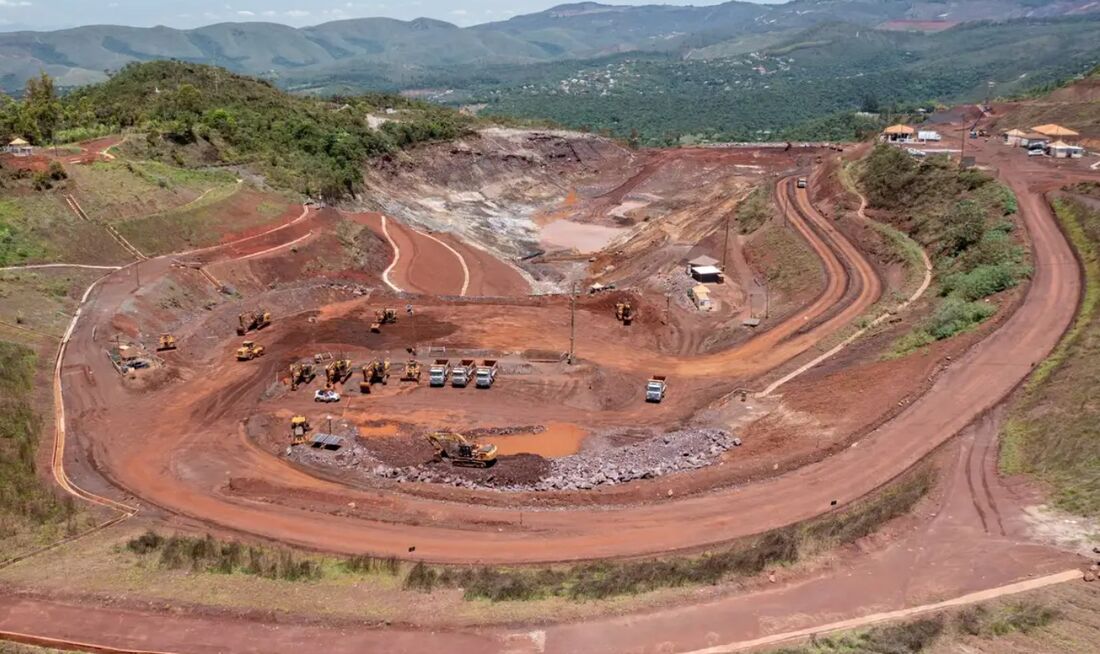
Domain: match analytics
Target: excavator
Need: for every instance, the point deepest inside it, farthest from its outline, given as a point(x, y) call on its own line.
point(301, 373)
point(461, 452)
point(375, 372)
point(337, 372)
point(624, 313)
point(166, 342)
point(412, 371)
point(383, 317)
point(249, 350)
point(299, 427)
point(250, 321)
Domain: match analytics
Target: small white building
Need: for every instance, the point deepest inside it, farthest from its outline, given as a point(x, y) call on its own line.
point(705, 269)
point(1063, 150)
point(701, 296)
point(1014, 137)
point(929, 135)
point(19, 148)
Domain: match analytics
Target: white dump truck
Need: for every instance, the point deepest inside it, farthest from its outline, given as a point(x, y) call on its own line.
point(463, 373)
point(655, 388)
point(487, 373)
point(437, 374)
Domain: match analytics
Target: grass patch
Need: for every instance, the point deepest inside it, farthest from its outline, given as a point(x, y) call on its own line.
point(1052, 431)
point(17, 243)
point(213, 556)
point(755, 210)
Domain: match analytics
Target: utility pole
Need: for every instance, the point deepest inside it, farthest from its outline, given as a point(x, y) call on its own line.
point(572, 323)
point(962, 152)
point(726, 245)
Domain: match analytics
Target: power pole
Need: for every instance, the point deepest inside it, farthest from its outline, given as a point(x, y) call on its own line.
point(726, 245)
point(572, 323)
point(962, 152)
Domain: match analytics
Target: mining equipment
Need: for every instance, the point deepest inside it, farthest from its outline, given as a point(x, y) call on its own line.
point(299, 427)
point(655, 388)
point(487, 373)
point(375, 372)
point(250, 321)
point(463, 373)
point(461, 452)
point(337, 372)
point(438, 373)
point(412, 371)
point(166, 342)
point(383, 317)
point(624, 313)
point(249, 350)
point(301, 373)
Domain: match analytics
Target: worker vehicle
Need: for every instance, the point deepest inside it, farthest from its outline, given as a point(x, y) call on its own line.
point(412, 371)
point(249, 321)
point(463, 373)
point(326, 395)
point(166, 342)
point(301, 373)
point(337, 372)
point(462, 452)
point(299, 427)
point(624, 313)
point(1035, 152)
point(487, 373)
point(655, 388)
point(438, 373)
point(249, 350)
point(802, 182)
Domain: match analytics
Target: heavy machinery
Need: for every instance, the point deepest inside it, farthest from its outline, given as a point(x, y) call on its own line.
point(461, 452)
point(655, 388)
point(624, 313)
point(166, 342)
point(438, 373)
point(487, 373)
point(337, 372)
point(463, 373)
point(383, 317)
point(249, 350)
point(301, 373)
point(250, 321)
point(299, 427)
point(375, 372)
point(802, 182)
point(412, 371)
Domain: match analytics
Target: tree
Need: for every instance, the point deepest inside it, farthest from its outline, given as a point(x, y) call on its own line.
point(41, 109)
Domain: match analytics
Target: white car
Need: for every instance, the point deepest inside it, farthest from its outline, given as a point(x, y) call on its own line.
point(325, 395)
point(916, 153)
point(1036, 152)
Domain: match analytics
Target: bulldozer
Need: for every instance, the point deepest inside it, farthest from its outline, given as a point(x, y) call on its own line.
point(299, 427)
point(166, 342)
point(412, 371)
point(624, 313)
point(250, 321)
point(249, 350)
point(337, 372)
point(375, 372)
point(461, 452)
point(301, 373)
point(383, 317)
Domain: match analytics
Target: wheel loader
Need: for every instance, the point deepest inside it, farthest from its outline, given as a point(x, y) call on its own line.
point(249, 350)
point(337, 372)
point(250, 321)
point(624, 313)
point(299, 427)
point(166, 342)
point(383, 317)
point(461, 452)
point(412, 371)
point(301, 373)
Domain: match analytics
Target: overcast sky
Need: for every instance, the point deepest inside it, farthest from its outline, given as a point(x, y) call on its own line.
point(49, 14)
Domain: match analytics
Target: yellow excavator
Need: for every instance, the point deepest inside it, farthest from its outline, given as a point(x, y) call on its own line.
point(301, 373)
point(299, 427)
point(624, 313)
point(337, 372)
point(249, 350)
point(461, 452)
point(412, 371)
point(383, 317)
point(375, 372)
point(250, 321)
point(166, 342)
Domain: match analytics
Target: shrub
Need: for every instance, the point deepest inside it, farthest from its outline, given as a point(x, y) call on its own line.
point(955, 315)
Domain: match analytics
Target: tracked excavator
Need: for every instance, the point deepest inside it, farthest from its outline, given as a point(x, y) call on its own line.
point(337, 372)
point(383, 317)
point(299, 427)
point(461, 452)
point(624, 313)
point(412, 371)
point(249, 321)
point(375, 372)
point(166, 342)
point(301, 373)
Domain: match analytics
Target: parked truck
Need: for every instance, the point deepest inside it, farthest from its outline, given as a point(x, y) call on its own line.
point(655, 388)
point(463, 373)
point(437, 374)
point(487, 373)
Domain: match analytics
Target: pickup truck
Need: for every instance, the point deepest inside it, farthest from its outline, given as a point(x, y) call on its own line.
point(437, 374)
point(802, 183)
point(487, 373)
point(655, 388)
point(463, 373)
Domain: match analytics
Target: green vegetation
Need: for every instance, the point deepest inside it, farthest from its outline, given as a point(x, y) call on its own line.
point(17, 243)
point(960, 217)
point(209, 555)
point(1053, 430)
point(755, 210)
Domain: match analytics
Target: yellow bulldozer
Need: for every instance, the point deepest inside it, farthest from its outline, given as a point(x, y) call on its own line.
point(301, 373)
point(383, 317)
point(624, 313)
point(461, 452)
point(337, 372)
point(249, 350)
point(166, 342)
point(250, 321)
point(299, 428)
point(412, 371)
point(375, 372)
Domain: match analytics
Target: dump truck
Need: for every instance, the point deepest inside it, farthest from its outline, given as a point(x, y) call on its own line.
point(301, 373)
point(249, 350)
point(487, 373)
point(383, 317)
point(299, 427)
point(624, 313)
point(437, 374)
point(655, 388)
point(412, 371)
point(802, 182)
point(337, 372)
point(166, 342)
point(249, 321)
point(462, 452)
point(463, 373)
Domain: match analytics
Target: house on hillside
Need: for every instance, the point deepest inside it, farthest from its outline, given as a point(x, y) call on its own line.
point(899, 134)
point(19, 148)
point(1014, 137)
point(1063, 150)
point(1056, 132)
point(705, 269)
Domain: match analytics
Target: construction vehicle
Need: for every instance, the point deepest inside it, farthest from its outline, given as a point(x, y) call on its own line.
point(487, 373)
point(166, 342)
point(249, 350)
point(437, 374)
point(462, 452)
point(383, 317)
point(802, 182)
point(301, 373)
point(462, 373)
point(655, 388)
point(412, 371)
point(624, 313)
point(252, 322)
point(337, 372)
point(299, 427)
point(375, 372)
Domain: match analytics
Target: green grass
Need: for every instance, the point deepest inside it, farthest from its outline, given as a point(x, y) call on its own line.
point(755, 210)
point(18, 244)
point(1053, 429)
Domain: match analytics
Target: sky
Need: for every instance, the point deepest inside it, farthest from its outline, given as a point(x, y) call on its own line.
point(53, 14)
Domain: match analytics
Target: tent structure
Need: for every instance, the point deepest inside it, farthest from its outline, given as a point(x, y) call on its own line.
point(899, 133)
point(1055, 131)
point(19, 148)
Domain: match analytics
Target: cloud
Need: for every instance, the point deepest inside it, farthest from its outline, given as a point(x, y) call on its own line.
point(245, 12)
point(14, 3)
point(296, 13)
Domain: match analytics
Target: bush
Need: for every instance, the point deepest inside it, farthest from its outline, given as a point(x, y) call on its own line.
point(213, 556)
point(983, 281)
point(955, 315)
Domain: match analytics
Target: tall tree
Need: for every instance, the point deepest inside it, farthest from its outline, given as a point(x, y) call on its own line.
point(41, 108)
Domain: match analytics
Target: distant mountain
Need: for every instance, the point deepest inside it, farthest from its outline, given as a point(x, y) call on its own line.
point(395, 53)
